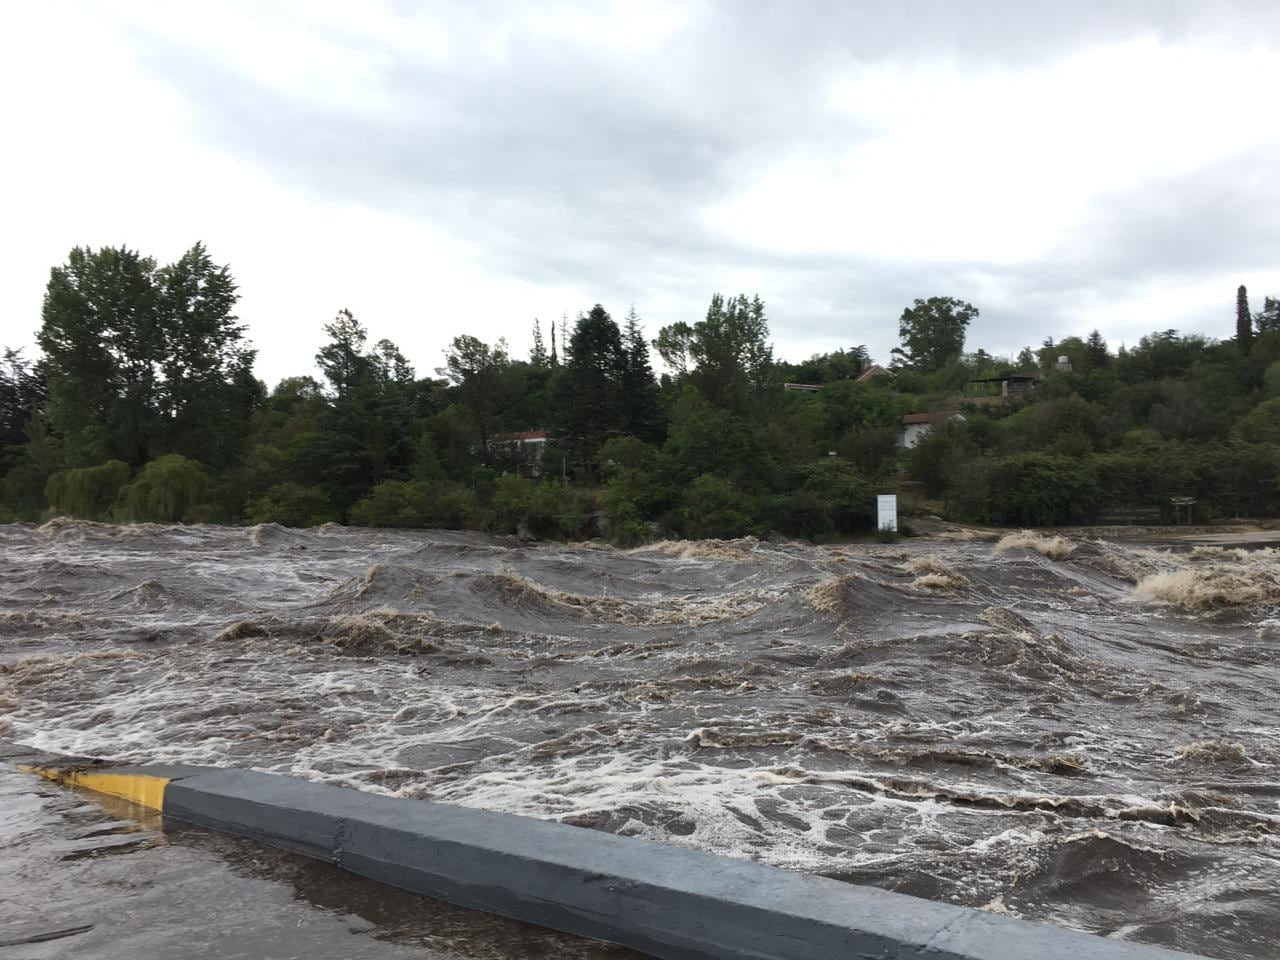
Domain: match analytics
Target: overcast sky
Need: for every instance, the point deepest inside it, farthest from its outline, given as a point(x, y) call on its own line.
point(465, 167)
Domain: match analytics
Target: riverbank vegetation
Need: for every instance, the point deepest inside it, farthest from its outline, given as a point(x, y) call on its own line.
point(143, 406)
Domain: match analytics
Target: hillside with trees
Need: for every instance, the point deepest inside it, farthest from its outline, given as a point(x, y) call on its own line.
point(143, 406)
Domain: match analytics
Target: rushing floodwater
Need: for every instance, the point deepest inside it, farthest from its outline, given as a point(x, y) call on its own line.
point(1073, 731)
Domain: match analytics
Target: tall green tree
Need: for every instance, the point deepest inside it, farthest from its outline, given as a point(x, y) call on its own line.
point(590, 389)
point(100, 341)
point(932, 332)
point(477, 371)
point(22, 394)
point(207, 390)
point(642, 414)
point(840, 364)
point(1269, 318)
point(342, 360)
point(143, 361)
point(1095, 352)
point(1244, 320)
point(366, 434)
point(726, 355)
point(538, 352)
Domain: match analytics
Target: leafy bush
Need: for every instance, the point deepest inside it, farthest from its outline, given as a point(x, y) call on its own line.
point(1271, 380)
point(87, 493)
point(1030, 490)
point(559, 510)
point(417, 503)
point(512, 498)
point(937, 456)
point(714, 507)
point(292, 505)
point(801, 513)
point(626, 453)
point(456, 508)
point(395, 503)
point(705, 440)
point(624, 520)
point(849, 496)
point(546, 509)
point(1261, 425)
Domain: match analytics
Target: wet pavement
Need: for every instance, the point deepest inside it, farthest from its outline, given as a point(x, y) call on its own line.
point(88, 876)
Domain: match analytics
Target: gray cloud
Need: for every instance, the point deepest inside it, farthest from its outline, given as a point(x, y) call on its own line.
point(579, 167)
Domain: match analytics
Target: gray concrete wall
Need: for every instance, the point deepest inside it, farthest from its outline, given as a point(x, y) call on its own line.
point(667, 901)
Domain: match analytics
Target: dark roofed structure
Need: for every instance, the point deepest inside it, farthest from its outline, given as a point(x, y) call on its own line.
point(1009, 386)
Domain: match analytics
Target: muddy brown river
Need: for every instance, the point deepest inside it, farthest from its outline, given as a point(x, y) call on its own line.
point(1067, 730)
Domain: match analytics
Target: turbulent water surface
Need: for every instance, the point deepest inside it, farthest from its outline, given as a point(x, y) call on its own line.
point(1059, 729)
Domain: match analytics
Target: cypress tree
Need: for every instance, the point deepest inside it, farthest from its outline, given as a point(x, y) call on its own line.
point(538, 354)
point(589, 393)
point(1096, 355)
point(1269, 318)
point(1244, 321)
point(642, 414)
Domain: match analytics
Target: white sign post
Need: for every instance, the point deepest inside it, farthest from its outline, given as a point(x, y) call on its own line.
point(887, 512)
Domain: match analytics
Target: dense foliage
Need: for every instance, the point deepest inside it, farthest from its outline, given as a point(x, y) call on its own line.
point(143, 407)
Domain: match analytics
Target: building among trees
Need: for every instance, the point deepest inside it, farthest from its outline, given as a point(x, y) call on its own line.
point(917, 426)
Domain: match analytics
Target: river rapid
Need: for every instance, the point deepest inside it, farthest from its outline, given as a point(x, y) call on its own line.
point(1063, 729)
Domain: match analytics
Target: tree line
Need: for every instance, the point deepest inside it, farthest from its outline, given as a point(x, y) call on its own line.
point(143, 406)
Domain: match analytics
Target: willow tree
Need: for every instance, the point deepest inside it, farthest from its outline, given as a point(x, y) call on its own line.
point(168, 489)
point(87, 493)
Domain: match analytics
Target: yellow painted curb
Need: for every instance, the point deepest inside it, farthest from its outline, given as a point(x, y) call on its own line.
point(143, 789)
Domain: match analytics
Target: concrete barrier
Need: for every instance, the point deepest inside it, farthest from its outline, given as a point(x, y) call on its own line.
point(666, 901)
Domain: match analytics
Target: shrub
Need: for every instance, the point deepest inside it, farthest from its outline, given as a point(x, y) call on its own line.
point(625, 523)
point(801, 513)
point(623, 511)
point(1271, 380)
point(714, 507)
point(850, 497)
point(417, 503)
point(1029, 490)
point(87, 492)
point(512, 499)
point(456, 508)
point(1260, 425)
point(395, 503)
point(937, 456)
point(292, 505)
point(546, 509)
point(626, 453)
point(558, 510)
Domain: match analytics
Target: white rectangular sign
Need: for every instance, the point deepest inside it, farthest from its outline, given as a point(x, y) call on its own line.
point(887, 512)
